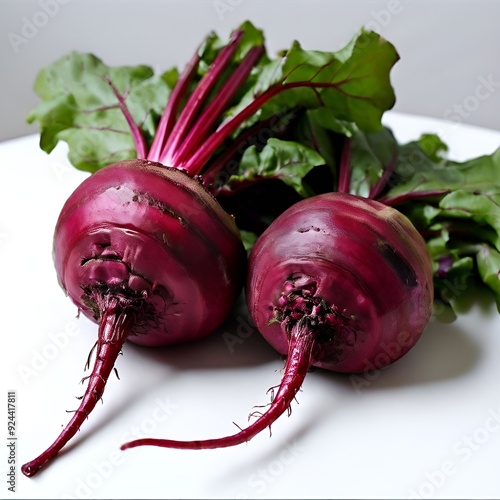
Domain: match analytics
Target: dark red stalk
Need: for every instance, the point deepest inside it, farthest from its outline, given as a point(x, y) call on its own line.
point(233, 151)
point(198, 159)
point(384, 179)
point(140, 143)
point(169, 115)
point(198, 99)
point(203, 127)
point(300, 359)
point(416, 195)
point(113, 329)
point(345, 168)
point(256, 135)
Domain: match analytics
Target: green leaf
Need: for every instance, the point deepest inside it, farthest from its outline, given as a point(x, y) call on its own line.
point(353, 83)
point(310, 130)
point(284, 160)
point(248, 238)
point(211, 46)
point(319, 129)
point(483, 208)
point(252, 37)
point(359, 87)
point(208, 51)
point(78, 106)
point(472, 190)
point(170, 77)
point(462, 225)
point(488, 263)
point(433, 146)
point(370, 154)
point(422, 215)
point(417, 171)
point(324, 118)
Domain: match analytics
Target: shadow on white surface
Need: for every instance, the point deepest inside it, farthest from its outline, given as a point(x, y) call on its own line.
point(237, 343)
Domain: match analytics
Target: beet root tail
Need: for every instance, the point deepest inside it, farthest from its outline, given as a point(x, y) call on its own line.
point(299, 360)
point(113, 328)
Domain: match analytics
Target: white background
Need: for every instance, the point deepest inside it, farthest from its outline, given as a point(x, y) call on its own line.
point(429, 425)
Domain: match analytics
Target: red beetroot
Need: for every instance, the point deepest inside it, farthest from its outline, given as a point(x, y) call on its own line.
point(147, 253)
point(143, 248)
point(339, 282)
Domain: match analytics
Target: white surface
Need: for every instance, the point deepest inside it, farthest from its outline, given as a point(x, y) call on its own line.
point(448, 48)
point(428, 426)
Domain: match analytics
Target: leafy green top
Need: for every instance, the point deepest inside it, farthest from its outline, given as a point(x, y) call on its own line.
point(107, 114)
point(265, 132)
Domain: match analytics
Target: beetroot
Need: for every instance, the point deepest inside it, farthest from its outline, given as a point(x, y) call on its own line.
point(142, 248)
point(338, 282)
point(144, 233)
point(138, 247)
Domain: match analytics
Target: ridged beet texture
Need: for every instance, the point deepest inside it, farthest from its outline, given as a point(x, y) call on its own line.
point(154, 235)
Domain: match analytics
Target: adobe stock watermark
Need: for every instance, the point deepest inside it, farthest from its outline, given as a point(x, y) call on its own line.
point(41, 357)
point(224, 7)
point(463, 450)
point(484, 89)
point(269, 474)
point(101, 470)
point(373, 369)
point(378, 20)
point(61, 169)
point(383, 17)
point(244, 330)
point(450, 291)
point(31, 26)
